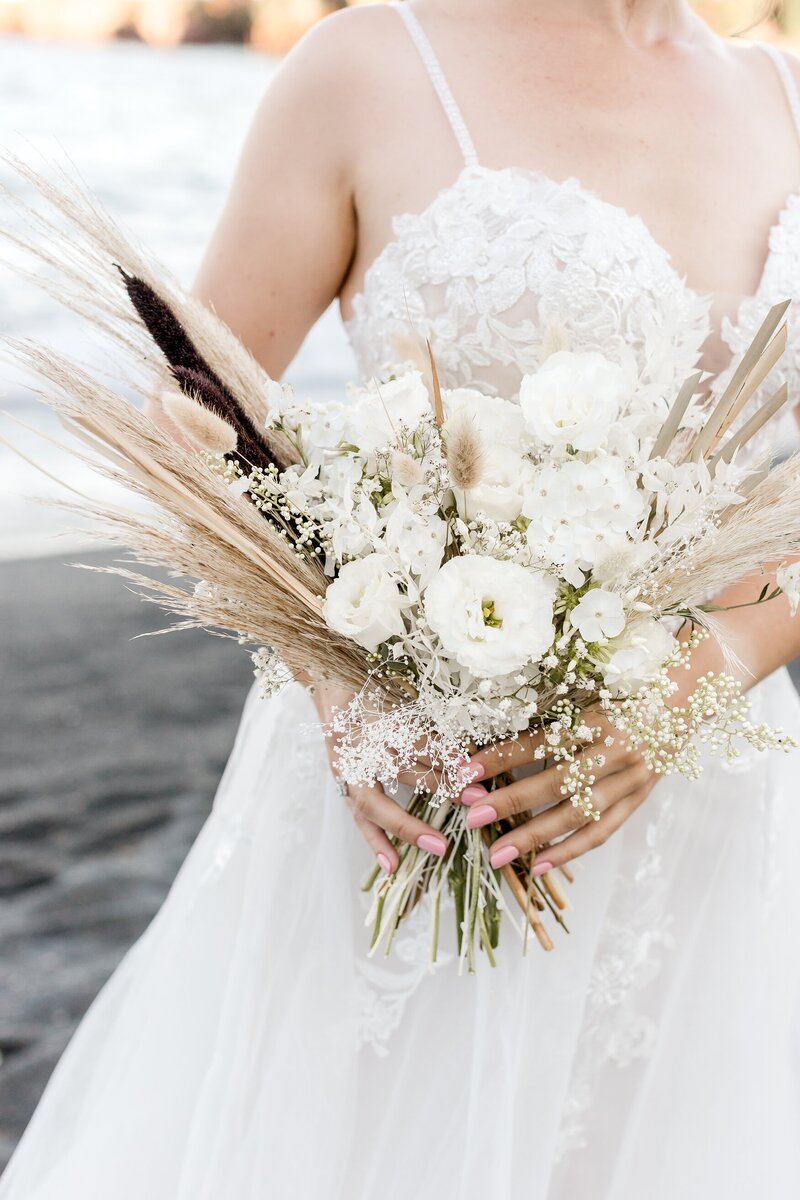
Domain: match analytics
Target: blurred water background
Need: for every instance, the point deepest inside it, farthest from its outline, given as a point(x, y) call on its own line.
point(155, 133)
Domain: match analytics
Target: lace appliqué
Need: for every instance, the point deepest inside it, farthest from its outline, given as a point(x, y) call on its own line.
point(501, 256)
point(383, 989)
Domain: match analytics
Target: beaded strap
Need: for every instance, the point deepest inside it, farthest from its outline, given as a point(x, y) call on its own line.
point(437, 78)
point(788, 81)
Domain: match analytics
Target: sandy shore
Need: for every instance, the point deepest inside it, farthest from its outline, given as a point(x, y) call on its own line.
point(111, 750)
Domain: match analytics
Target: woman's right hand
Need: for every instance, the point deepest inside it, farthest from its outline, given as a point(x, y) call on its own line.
point(375, 813)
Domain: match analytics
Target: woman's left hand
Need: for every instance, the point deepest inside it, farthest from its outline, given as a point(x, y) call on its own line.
point(622, 782)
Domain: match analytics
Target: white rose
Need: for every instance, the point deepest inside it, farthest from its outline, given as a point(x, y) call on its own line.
point(418, 541)
point(498, 421)
point(378, 412)
point(365, 603)
point(789, 582)
point(637, 656)
point(500, 494)
point(598, 615)
point(491, 616)
point(574, 399)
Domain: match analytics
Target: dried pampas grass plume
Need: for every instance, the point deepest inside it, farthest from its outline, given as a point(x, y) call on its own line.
point(555, 339)
point(199, 425)
point(465, 456)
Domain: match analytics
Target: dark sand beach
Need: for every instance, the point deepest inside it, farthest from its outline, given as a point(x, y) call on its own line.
point(110, 753)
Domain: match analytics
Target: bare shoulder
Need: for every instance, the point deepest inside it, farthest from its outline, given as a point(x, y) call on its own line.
point(324, 96)
point(351, 46)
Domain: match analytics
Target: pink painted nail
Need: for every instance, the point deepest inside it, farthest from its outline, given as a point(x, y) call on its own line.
point(542, 868)
point(481, 814)
point(503, 856)
point(470, 772)
point(473, 793)
point(431, 843)
point(385, 863)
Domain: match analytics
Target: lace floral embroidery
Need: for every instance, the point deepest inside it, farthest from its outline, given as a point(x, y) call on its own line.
point(500, 256)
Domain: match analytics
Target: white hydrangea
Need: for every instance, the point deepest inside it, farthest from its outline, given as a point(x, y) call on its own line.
point(637, 655)
point(599, 615)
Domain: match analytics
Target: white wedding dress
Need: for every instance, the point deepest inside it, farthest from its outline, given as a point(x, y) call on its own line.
point(248, 1048)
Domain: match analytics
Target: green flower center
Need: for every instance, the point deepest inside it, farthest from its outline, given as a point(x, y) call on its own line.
point(489, 618)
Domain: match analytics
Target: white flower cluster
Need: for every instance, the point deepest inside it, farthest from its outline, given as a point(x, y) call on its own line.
point(497, 557)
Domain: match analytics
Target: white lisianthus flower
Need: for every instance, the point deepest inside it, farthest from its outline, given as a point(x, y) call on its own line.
point(417, 541)
point(789, 582)
point(378, 413)
point(498, 421)
point(598, 615)
point(637, 656)
point(574, 399)
point(491, 616)
point(365, 602)
point(505, 478)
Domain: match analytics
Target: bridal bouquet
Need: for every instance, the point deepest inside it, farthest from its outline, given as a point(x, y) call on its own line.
point(470, 567)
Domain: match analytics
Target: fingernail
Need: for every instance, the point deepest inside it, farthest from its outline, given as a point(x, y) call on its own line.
point(469, 772)
point(542, 868)
point(385, 863)
point(431, 843)
point(473, 793)
point(481, 814)
point(503, 856)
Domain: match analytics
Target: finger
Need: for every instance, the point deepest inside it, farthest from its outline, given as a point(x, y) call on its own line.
point(594, 835)
point(505, 756)
point(565, 817)
point(379, 844)
point(545, 789)
point(387, 814)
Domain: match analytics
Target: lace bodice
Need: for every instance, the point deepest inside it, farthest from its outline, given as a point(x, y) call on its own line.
point(502, 260)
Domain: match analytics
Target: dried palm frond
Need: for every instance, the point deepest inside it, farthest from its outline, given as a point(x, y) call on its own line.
point(764, 529)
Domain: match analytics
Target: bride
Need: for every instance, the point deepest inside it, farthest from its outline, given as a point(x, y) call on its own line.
point(500, 173)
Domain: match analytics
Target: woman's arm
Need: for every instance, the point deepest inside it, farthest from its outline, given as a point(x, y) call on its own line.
point(762, 637)
point(282, 250)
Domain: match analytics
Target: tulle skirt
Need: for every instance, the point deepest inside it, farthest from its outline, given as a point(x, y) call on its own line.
point(248, 1048)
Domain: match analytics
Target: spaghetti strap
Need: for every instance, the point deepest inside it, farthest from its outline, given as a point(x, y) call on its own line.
point(788, 81)
point(437, 78)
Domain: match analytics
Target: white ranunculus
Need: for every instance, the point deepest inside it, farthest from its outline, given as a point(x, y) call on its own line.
point(574, 399)
point(379, 412)
point(789, 582)
point(637, 656)
point(417, 540)
point(598, 615)
point(505, 478)
point(365, 603)
point(498, 421)
point(491, 616)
